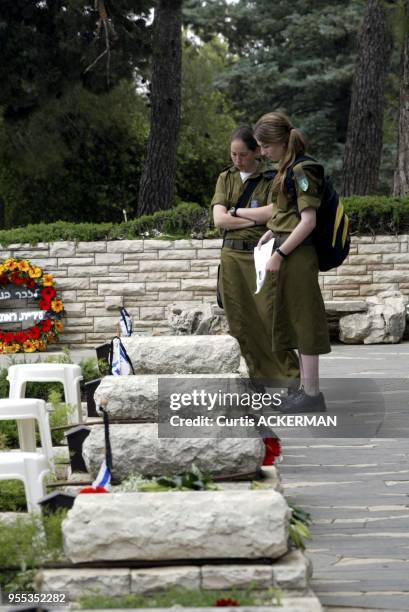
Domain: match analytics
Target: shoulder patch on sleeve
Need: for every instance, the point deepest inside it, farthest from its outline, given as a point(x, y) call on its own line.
point(301, 178)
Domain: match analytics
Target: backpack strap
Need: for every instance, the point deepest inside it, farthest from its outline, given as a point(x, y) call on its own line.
point(251, 184)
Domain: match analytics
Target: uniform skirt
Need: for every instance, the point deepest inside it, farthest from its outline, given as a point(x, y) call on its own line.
point(299, 319)
point(250, 317)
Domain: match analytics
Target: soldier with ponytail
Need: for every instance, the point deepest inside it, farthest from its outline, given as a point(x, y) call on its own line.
point(299, 320)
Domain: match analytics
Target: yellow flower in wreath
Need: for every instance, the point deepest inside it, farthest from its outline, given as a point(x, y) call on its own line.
point(48, 280)
point(34, 272)
point(10, 264)
point(24, 266)
point(57, 305)
point(59, 326)
point(11, 348)
point(29, 346)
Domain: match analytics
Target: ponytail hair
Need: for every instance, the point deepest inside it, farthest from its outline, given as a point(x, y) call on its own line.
point(277, 128)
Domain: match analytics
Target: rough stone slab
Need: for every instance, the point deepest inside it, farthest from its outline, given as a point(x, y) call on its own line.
point(115, 288)
point(77, 262)
point(136, 449)
point(92, 247)
point(292, 571)
point(342, 306)
point(201, 319)
point(125, 246)
point(183, 354)
point(164, 265)
point(154, 579)
point(176, 526)
point(384, 321)
point(136, 397)
point(62, 249)
point(220, 577)
point(79, 582)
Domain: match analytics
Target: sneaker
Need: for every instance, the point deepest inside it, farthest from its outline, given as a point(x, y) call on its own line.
point(300, 402)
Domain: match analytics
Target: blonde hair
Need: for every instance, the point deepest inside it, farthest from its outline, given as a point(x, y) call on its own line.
point(277, 128)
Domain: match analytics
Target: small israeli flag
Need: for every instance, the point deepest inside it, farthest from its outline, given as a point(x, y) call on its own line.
point(125, 323)
point(103, 478)
point(120, 364)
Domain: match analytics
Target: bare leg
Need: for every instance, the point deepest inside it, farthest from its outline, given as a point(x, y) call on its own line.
point(309, 368)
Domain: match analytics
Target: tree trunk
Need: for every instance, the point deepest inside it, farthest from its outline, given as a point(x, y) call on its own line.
point(157, 184)
point(363, 147)
point(401, 178)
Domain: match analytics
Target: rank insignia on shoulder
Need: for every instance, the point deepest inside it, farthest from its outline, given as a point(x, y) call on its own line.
point(301, 179)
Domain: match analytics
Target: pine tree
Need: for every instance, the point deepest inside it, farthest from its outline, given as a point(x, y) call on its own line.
point(296, 56)
point(158, 178)
point(363, 148)
point(401, 177)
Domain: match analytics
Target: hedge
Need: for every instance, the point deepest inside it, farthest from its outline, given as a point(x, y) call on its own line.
point(369, 215)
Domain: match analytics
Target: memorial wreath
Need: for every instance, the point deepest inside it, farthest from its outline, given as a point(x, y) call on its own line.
point(38, 286)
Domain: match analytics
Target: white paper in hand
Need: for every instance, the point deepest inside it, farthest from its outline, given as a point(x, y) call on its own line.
point(261, 256)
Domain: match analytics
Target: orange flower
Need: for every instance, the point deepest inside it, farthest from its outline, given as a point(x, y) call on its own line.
point(57, 305)
point(59, 326)
point(35, 272)
point(48, 280)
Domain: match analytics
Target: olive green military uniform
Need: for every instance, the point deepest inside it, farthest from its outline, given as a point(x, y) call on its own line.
point(299, 319)
point(250, 316)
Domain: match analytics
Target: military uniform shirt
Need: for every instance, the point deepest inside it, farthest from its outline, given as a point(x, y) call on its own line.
point(229, 187)
point(286, 216)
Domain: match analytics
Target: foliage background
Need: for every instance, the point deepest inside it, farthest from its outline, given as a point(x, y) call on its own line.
point(72, 144)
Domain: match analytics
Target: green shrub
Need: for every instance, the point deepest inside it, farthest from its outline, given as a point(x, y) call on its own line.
point(378, 214)
point(184, 219)
point(12, 496)
point(27, 544)
point(369, 215)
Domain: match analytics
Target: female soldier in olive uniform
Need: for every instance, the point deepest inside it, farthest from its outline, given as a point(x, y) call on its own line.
point(250, 316)
point(299, 319)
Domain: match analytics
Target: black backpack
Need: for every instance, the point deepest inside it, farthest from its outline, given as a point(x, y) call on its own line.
point(331, 234)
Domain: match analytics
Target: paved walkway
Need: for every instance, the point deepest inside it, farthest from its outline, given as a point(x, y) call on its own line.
point(357, 491)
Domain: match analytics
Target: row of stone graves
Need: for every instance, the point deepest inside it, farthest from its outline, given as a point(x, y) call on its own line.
point(234, 537)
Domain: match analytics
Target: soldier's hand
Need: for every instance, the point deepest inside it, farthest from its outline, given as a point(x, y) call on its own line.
point(273, 263)
point(265, 238)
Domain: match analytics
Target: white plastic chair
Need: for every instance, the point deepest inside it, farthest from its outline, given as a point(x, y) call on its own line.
point(68, 374)
point(28, 409)
point(31, 468)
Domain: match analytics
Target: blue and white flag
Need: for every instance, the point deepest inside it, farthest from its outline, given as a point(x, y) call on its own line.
point(103, 478)
point(120, 364)
point(125, 323)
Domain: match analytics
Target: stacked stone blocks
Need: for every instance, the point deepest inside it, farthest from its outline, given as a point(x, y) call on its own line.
point(145, 276)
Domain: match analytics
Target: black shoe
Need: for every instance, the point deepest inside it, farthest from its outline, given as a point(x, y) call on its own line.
point(302, 402)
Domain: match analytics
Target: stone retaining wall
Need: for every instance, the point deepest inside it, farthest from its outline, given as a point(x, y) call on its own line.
point(146, 275)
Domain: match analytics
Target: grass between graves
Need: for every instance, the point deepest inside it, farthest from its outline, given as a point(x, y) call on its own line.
point(179, 597)
point(26, 544)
